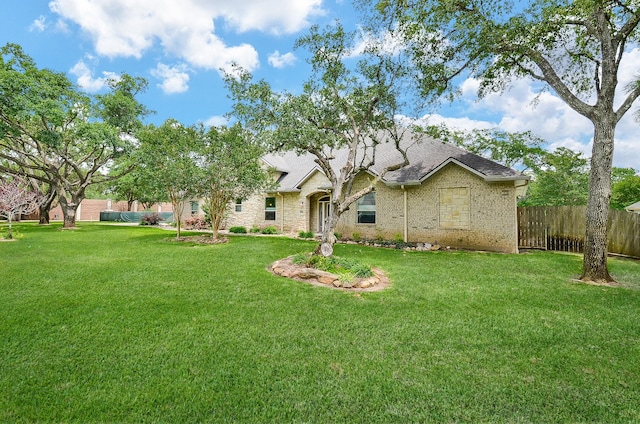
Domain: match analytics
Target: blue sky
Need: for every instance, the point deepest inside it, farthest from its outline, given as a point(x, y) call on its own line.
point(179, 47)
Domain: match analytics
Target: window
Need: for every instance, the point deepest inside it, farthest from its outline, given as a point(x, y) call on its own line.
point(238, 205)
point(270, 209)
point(194, 208)
point(367, 208)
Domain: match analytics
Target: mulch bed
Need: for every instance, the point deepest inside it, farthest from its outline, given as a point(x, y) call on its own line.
point(203, 239)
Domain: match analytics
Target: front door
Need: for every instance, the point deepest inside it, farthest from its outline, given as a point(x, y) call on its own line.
point(324, 208)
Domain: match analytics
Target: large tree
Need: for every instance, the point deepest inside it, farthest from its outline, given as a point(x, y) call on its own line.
point(575, 48)
point(561, 179)
point(55, 133)
point(344, 105)
point(523, 151)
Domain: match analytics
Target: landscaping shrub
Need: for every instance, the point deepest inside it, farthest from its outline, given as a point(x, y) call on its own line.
point(306, 234)
point(238, 230)
point(255, 229)
point(269, 230)
point(196, 222)
point(151, 219)
point(334, 264)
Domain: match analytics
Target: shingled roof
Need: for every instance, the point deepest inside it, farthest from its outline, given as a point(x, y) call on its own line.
point(426, 157)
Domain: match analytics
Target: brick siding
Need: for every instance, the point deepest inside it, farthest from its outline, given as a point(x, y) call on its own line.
point(453, 208)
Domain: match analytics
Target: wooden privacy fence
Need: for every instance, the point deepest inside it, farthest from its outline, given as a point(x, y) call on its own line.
point(563, 227)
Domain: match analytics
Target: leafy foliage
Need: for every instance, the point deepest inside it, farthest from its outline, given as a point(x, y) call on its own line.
point(340, 107)
point(561, 180)
point(334, 264)
point(169, 158)
point(523, 151)
point(269, 229)
point(626, 191)
point(151, 219)
point(238, 229)
point(53, 132)
point(196, 222)
point(574, 48)
point(231, 169)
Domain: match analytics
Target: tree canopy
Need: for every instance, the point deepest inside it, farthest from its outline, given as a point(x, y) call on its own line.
point(626, 188)
point(53, 132)
point(344, 104)
point(231, 170)
point(169, 157)
point(562, 179)
point(574, 48)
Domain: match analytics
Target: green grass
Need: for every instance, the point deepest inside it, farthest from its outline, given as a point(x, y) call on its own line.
point(115, 324)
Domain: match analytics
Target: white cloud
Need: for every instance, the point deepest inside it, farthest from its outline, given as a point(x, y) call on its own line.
point(280, 61)
point(39, 24)
point(465, 124)
point(216, 121)
point(175, 79)
point(524, 108)
point(184, 29)
point(572, 144)
point(85, 77)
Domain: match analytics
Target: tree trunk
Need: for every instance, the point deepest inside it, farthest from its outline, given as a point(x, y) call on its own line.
point(177, 204)
point(216, 221)
point(10, 229)
point(45, 207)
point(43, 211)
point(328, 231)
point(69, 214)
point(594, 266)
point(69, 210)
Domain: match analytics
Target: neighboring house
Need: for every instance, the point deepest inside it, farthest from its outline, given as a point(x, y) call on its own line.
point(445, 196)
point(633, 208)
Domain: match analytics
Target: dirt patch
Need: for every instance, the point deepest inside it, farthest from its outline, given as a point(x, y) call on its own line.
point(286, 268)
point(601, 283)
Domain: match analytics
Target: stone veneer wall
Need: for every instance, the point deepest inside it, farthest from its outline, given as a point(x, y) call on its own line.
point(453, 208)
point(490, 208)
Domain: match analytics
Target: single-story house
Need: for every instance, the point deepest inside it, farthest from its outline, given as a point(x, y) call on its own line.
point(633, 208)
point(445, 196)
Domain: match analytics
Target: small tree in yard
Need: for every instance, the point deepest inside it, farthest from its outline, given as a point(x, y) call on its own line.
point(231, 170)
point(15, 199)
point(170, 155)
point(341, 107)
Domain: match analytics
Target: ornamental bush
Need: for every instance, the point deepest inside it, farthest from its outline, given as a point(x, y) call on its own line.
point(238, 230)
point(151, 219)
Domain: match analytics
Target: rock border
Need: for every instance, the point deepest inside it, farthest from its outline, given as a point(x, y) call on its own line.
point(286, 268)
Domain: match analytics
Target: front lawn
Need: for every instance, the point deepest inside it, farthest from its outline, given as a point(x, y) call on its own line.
point(114, 324)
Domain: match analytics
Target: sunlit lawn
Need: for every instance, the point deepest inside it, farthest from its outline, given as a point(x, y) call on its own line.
point(115, 324)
